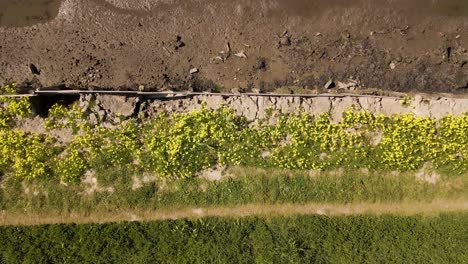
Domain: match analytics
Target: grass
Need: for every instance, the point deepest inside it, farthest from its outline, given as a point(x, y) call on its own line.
point(239, 186)
point(299, 239)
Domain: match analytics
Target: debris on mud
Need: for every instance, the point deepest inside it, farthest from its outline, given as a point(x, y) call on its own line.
point(194, 70)
point(241, 54)
point(179, 43)
point(330, 84)
point(34, 70)
point(261, 64)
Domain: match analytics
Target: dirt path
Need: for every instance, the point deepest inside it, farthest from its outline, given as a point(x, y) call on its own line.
point(408, 208)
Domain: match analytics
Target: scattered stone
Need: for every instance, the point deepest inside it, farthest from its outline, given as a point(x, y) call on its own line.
point(392, 65)
point(194, 70)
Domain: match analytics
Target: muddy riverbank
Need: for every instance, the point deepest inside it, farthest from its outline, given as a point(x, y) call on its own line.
point(418, 45)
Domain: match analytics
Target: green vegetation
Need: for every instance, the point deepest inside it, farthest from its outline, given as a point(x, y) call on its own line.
point(247, 186)
point(139, 165)
point(270, 161)
point(309, 239)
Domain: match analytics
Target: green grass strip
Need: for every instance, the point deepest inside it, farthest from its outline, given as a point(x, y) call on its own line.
point(304, 239)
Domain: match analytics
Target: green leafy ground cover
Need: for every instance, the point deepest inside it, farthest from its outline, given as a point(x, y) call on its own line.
point(181, 145)
point(249, 185)
point(304, 239)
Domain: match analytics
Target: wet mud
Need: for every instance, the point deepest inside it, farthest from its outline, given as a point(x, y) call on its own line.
point(17, 13)
point(399, 45)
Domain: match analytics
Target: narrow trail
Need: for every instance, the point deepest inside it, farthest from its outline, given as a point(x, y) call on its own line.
point(328, 209)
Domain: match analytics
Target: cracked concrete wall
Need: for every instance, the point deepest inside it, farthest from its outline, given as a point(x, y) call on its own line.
point(257, 106)
point(254, 107)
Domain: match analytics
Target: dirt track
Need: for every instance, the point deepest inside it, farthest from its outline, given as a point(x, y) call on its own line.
point(398, 45)
point(408, 208)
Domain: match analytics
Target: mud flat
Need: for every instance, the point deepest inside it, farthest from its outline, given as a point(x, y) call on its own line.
point(417, 45)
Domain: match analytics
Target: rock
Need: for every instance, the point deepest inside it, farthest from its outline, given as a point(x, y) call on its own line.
point(96, 108)
point(114, 104)
point(102, 115)
point(330, 84)
point(351, 85)
point(256, 90)
point(93, 120)
point(392, 65)
point(194, 70)
point(285, 41)
point(85, 100)
point(235, 91)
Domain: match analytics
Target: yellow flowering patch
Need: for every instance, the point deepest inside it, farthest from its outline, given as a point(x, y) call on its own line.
point(183, 144)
